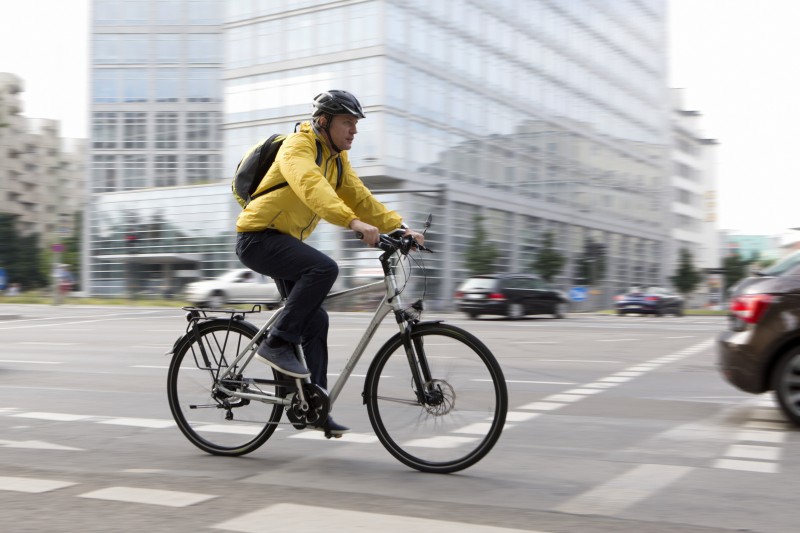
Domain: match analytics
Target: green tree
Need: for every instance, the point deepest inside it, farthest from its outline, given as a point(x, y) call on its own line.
point(592, 262)
point(20, 255)
point(481, 254)
point(549, 261)
point(687, 277)
point(735, 268)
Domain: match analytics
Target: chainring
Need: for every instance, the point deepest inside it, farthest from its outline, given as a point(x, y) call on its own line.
point(318, 407)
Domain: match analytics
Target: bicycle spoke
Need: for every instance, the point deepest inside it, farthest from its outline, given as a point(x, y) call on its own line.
point(464, 407)
point(215, 421)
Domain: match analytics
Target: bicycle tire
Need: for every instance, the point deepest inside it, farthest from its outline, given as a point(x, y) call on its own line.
point(464, 426)
point(199, 414)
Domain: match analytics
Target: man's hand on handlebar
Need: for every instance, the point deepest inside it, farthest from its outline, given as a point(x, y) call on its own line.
point(368, 233)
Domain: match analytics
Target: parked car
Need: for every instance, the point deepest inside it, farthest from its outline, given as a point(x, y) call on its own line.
point(655, 301)
point(760, 349)
point(237, 286)
point(512, 295)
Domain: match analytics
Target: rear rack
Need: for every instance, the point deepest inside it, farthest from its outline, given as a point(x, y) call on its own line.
point(199, 313)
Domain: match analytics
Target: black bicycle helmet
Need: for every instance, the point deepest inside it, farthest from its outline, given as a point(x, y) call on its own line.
point(335, 102)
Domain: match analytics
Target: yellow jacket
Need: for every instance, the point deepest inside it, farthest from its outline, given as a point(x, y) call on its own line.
point(296, 210)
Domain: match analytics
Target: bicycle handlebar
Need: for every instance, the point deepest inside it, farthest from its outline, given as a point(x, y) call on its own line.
point(396, 241)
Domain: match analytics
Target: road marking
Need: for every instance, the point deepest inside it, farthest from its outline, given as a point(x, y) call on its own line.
point(747, 466)
point(167, 498)
point(625, 490)
point(36, 445)
point(479, 428)
point(235, 429)
point(33, 343)
point(534, 382)
point(516, 416)
point(358, 438)
point(139, 422)
point(440, 442)
point(101, 318)
point(563, 397)
point(157, 367)
point(58, 417)
point(615, 379)
point(750, 451)
point(576, 361)
point(629, 374)
point(583, 391)
point(682, 337)
point(534, 342)
point(615, 340)
point(32, 362)
point(542, 406)
point(285, 516)
point(35, 486)
point(766, 424)
point(761, 436)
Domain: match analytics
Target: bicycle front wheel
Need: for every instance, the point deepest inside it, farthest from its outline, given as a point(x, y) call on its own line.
point(458, 417)
point(214, 421)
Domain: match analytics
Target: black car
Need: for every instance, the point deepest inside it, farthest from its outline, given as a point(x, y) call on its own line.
point(760, 349)
point(655, 301)
point(512, 295)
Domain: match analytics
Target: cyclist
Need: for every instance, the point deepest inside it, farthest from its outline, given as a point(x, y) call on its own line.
point(272, 227)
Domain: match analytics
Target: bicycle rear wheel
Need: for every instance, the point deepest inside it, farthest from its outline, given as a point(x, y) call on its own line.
point(463, 413)
point(213, 421)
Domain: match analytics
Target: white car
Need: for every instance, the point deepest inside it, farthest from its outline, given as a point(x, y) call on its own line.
point(236, 286)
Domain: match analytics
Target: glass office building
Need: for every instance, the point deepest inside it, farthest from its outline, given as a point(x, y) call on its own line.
point(530, 116)
point(156, 205)
point(527, 117)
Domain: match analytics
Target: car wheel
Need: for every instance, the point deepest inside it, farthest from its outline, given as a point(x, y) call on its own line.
point(620, 313)
point(560, 310)
point(786, 384)
point(679, 311)
point(473, 316)
point(216, 300)
point(516, 311)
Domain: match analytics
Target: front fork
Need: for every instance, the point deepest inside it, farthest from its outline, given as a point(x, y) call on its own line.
point(418, 363)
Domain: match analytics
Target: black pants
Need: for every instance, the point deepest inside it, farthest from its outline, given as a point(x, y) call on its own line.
point(309, 275)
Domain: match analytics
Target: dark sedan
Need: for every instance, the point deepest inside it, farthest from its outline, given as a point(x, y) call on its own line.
point(654, 301)
point(760, 349)
point(511, 295)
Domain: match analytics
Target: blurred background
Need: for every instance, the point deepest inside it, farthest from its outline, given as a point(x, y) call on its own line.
point(543, 137)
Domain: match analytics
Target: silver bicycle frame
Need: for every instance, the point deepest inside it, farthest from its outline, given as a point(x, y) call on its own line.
point(391, 301)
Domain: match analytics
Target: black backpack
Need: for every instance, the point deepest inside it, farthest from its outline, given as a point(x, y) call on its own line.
point(255, 164)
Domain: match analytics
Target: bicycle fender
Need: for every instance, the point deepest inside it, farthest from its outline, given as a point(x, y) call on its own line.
point(386, 346)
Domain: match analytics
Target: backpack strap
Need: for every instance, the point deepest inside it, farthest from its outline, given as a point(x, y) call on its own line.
point(318, 160)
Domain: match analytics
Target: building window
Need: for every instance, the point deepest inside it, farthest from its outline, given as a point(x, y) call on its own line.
point(105, 85)
point(203, 48)
point(202, 168)
point(134, 171)
point(201, 128)
point(104, 130)
point(168, 48)
point(168, 12)
point(134, 48)
point(167, 85)
point(166, 131)
point(134, 84)
point(104, 173)
point(202, 85)
point(134, 131)
point(166, 170)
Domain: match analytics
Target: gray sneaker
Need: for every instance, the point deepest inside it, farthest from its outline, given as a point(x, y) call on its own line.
point(332, 428)
point(282, 359)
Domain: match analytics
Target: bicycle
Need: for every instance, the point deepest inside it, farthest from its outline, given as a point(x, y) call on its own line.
point(435, 395)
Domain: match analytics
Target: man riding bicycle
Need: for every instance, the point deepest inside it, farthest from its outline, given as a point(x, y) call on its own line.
point(272, 227)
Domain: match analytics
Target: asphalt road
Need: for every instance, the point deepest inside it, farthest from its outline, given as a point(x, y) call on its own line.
point(615, 425)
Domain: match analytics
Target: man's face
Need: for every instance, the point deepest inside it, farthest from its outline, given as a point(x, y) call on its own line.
point(343, 130)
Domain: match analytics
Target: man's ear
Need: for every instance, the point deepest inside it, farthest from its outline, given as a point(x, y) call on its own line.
point(323, 121)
